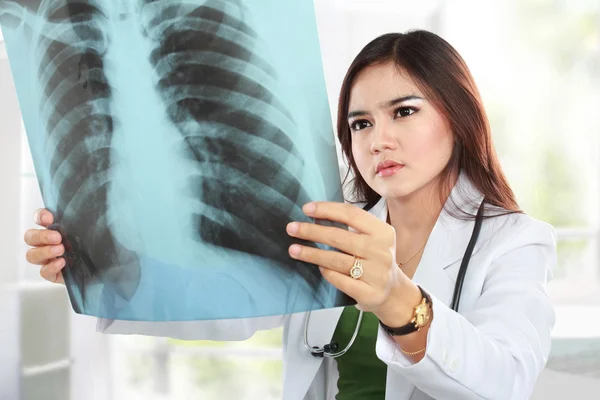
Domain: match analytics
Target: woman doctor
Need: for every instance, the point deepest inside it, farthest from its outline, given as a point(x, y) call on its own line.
point(433, 197)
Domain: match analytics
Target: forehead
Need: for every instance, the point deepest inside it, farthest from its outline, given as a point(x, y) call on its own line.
point(380, 83)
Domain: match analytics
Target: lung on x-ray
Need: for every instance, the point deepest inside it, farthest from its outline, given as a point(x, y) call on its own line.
point(174, 140)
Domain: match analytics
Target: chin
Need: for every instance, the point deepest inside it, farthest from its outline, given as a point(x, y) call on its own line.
point(396, 188)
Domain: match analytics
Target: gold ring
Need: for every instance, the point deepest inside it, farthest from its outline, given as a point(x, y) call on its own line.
point(357, 269)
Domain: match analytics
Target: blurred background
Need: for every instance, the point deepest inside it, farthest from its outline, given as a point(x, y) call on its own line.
point(537, 64)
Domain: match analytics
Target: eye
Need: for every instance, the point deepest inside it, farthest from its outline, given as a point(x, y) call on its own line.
point(405, 111)
point(360, 124)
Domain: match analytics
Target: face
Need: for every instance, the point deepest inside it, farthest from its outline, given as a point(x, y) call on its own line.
point(400, 141)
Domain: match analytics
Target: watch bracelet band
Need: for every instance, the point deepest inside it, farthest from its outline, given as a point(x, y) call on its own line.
point(409, 327)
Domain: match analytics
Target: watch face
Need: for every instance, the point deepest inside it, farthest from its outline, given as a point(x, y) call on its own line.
point(422, 312)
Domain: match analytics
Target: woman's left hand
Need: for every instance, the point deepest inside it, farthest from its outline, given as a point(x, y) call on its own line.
point(383, 288)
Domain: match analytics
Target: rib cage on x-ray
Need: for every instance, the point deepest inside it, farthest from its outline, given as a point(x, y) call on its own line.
point(72, 39)
point(217, 90)
point(205, 59)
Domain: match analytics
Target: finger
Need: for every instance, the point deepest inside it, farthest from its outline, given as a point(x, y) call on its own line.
point(52, 271)
point(41, 237)
point(347, 214)
point(352, 287)
point(43, 217)
point(42, 255)
point(333, 260)
point(337, 262)
point(346, 241)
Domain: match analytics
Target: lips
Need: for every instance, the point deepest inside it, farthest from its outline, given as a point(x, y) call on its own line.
point(388, 167)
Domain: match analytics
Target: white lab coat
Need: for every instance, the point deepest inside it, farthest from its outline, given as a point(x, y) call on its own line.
point(494, 348)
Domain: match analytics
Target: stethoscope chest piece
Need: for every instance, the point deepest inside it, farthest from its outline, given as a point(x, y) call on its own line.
point(331, 349)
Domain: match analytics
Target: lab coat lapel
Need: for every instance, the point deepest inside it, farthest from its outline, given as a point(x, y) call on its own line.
point(444, 251)
point(448, 241)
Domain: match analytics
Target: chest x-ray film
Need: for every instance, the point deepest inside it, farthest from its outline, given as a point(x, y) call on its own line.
point(174, 140)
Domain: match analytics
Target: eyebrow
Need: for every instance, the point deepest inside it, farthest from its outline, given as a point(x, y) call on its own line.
point(386, 104)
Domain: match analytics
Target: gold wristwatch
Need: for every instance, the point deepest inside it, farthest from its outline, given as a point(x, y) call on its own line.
point(421, 317)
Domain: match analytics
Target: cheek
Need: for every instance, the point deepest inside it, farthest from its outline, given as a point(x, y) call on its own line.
point(361, 155)
point(432, 146)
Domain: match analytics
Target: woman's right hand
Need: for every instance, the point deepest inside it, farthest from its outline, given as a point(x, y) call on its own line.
point(47, 247)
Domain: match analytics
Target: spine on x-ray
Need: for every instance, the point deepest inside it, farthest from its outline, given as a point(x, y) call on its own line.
point(216, 84)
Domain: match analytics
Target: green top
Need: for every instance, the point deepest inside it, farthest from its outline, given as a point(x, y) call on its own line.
point(362, 374)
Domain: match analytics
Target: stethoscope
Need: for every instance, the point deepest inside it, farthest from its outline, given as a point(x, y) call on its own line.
point(331, 349)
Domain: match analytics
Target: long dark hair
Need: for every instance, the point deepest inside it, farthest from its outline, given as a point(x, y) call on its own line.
point(443, 76)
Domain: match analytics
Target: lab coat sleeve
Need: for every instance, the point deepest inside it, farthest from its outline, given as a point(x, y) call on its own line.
point(221, 330)
point(497, 350)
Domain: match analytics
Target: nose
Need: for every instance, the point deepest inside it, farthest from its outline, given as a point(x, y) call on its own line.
point(382, 139)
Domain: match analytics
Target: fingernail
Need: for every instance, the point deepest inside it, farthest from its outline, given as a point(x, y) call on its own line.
point(37, 217)
point(54, 237)
point(57, 250)
point(292, 227)
point(309, 207)
point(57, 265)
point(294, 250)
